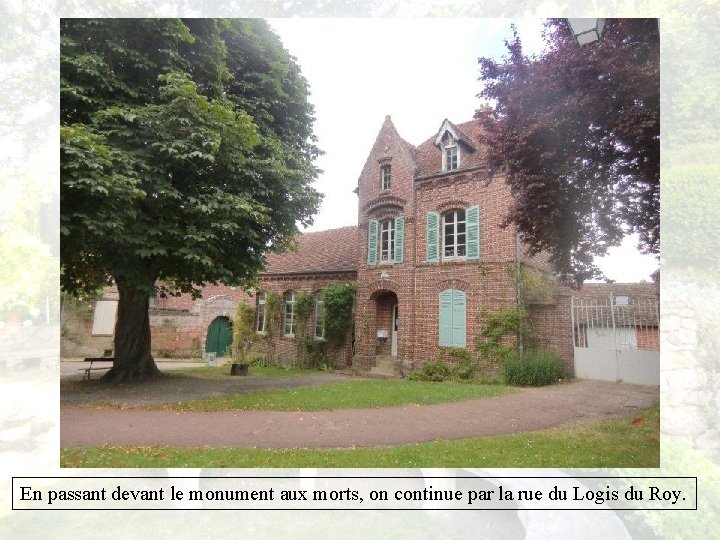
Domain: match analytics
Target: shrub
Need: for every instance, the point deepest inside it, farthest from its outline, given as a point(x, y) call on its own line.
point(434, 371)
point(313, 354)
point(262, 361)
point(243, 333)
point(535, 368)
point(465, 364)
point(464, 371)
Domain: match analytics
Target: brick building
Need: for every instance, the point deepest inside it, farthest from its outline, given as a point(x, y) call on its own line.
point(434, 260)
point(428, 258)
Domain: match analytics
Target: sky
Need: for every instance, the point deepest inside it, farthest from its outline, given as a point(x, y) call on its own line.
point(418, 71)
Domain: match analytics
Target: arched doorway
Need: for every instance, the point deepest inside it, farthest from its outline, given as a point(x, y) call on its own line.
point(386, 322)
point(219, 336)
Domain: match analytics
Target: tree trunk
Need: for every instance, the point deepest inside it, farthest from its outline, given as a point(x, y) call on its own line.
point(133, 358)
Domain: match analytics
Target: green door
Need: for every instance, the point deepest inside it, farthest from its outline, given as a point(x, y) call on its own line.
point(219, 336)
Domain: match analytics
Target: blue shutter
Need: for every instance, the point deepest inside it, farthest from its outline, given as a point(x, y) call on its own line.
point(431, 241)
point(446, 318)
point(472, 216)
point(399, 239)
point(453, 306)
point(458, 318)
point(372, 242)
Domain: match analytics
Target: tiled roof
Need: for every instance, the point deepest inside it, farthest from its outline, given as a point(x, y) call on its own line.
point(631, 290)
point(323, 251)
point(429, 156)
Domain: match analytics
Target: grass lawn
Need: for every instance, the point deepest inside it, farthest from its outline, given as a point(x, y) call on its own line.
point(345, 395)
point(631, 441)
point(223, 372)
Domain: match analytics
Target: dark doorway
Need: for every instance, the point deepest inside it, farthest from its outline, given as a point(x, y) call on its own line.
point(219, 336)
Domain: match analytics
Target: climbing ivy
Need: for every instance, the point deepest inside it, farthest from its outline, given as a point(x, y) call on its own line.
point(498, 336)
point(531, 285)
point(313, 354)
point(243, 333)
point(338, 302)
point(303, 309)
point(273, 312)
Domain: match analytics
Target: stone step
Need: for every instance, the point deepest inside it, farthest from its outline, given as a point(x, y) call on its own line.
point(379, 375)
point(385, 367)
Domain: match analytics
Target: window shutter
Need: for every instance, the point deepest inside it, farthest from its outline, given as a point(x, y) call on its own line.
point(372, 242)
point(472, 217)
point(446, 318)
point(399, 239)
point(458, 318)
point(432, 244)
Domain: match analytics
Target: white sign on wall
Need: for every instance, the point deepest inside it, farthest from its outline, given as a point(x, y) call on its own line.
point(104, 318)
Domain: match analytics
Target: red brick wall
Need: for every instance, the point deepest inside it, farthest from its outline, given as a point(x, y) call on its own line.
point(460, 191)
point(552, 330)
point(389, 148)
point(186, 302)
point(284, 350)
point(488, 283)
point(648, 338)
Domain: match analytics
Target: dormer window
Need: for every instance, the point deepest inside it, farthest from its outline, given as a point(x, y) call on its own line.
point(454, 145)
point(385, 176)
point(451, 158)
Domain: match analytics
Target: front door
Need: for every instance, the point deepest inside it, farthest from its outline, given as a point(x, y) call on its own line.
point(219, 336)
point(394, 340)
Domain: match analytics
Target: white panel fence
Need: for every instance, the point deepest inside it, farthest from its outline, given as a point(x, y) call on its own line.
point(617, 339)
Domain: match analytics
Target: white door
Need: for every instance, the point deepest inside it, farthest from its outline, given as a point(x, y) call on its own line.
point(394, 343)
point(601, 337)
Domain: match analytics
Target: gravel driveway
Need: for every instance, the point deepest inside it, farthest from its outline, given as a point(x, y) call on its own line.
point(528, 409)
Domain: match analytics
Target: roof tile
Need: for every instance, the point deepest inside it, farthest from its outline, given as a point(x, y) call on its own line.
point(321, 251)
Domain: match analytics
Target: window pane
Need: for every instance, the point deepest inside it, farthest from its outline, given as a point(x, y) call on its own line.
point(289, 313)
point(387, 240)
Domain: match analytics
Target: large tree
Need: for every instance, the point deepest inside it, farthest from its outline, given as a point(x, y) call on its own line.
point(576, 132)
point(186, 153)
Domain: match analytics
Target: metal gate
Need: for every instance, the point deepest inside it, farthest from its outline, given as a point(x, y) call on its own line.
point(617, 339)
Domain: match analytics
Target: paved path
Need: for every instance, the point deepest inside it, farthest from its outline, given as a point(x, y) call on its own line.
point(529, 409)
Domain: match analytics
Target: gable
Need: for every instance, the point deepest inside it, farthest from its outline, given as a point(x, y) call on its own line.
point(468, 135)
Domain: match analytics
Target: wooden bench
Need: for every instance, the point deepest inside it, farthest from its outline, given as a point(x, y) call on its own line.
point(95, 359)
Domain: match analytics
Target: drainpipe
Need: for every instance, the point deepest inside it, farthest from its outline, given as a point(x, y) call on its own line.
point(518, 291)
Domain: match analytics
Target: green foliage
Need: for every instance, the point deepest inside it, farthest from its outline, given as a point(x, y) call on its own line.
point(532, 285)
point(681, 459)
point(534, 368)
point(338, 302)
point(262, 362)
point(244, 334)
point(304, 303)
point(273, 312)
point(466, 367)
point(692, 194)
point(498, 337)
point(433, 371)
point(186, 150)
point(26, 270)
point(313, 354)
